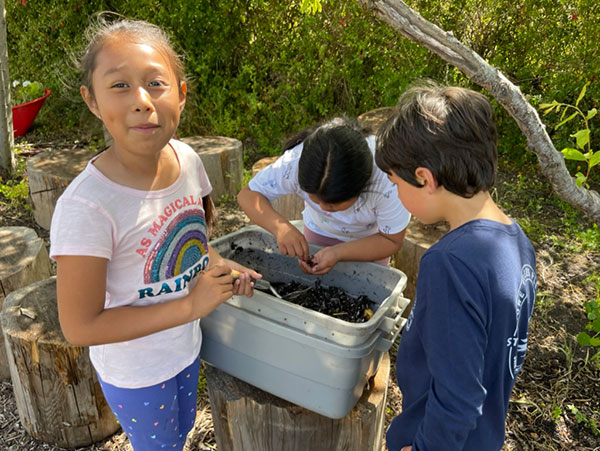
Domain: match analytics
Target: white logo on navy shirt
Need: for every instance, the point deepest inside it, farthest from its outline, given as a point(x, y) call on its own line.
point(517, 344)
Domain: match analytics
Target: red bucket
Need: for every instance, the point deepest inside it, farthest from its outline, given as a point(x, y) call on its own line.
point(25, 113)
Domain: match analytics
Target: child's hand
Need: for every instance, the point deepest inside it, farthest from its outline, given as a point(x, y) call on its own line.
point(214, 287)
point(291, 242)
point(242, 276)
point(322, 262)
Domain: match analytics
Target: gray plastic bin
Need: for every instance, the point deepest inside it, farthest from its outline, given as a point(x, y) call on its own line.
point(306, 357)
point(313, 373)
point(256, 248)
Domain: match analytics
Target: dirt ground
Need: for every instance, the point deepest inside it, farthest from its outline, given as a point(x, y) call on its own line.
point(556, 374)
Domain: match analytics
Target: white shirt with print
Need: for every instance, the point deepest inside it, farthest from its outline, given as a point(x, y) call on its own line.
point(376, 209)
point(156, 245)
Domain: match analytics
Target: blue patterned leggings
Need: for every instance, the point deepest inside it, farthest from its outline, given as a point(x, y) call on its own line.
point(158, 417)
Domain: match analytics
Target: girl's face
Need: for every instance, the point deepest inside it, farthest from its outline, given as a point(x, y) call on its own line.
point(136, 95)
point(340, 206)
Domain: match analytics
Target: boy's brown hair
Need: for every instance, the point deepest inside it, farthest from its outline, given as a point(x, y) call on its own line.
point(448, 130)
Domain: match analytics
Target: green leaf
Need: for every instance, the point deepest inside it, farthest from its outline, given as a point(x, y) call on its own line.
point(565, 120)
point(583, 339)
point(582, 136)
point(596, 325)
point(591, 113)
point(582, 93)
point(548, 107)
point(572, 154)
point(595, 341)
point(595, 159)
point(580, 179)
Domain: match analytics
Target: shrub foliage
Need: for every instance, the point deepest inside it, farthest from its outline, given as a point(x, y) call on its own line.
point(260, 70)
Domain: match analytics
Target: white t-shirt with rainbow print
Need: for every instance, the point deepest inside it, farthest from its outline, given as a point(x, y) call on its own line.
point(156, 245)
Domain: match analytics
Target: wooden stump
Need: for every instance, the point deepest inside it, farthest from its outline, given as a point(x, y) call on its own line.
point(419, 238)
point(248, 419)
point(23, 260)
point(56, 389)
point(50, 172)
point(289, 206)
point(224, 161)
point(374, 119)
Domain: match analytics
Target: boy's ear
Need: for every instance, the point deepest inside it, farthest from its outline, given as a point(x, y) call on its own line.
point(89, 100)
point(426, 178)
point(182, 95)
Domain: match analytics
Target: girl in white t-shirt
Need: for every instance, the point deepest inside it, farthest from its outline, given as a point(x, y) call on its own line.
point(351, 207)
point(129, 235)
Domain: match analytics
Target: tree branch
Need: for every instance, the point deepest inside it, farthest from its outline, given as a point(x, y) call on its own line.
point(413, 26)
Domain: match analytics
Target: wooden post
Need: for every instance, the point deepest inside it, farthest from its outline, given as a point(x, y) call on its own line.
point(23, 260)
point(50, 172)
point(223, 160)
point(289, 206)
point(56, 389)
point(248, 419)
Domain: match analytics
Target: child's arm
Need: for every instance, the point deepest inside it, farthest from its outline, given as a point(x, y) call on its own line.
point(81, 286)
point(371, 248)
point(258, 208)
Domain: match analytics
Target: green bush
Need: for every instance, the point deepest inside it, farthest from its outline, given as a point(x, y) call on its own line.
point(261, 70)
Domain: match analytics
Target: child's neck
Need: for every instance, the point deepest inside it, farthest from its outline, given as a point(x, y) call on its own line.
point(147, 173)
point(459, 210)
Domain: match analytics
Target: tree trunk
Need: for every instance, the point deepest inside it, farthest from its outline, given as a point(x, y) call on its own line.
point(56, 389)
point(7, 162)
point(248, 419)
point(411, 25)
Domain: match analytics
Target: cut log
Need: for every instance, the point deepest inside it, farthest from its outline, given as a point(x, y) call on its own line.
point(23, 260)
point(374, 119)
point(246, 418)
point(223, 160)
point(289, 206)
point(419, 238)
point(49, 173)
point(56, 389)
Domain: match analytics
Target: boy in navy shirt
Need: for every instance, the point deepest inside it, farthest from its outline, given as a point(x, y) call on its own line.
point(466, 336)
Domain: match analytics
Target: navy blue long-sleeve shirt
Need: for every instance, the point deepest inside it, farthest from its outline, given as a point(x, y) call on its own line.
point(465, 339)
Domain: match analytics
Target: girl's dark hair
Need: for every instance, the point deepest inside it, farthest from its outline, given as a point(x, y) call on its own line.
point(448, 130)
point(336, 162)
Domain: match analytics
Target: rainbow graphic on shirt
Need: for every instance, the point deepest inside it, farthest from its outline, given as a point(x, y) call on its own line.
point(180, 246)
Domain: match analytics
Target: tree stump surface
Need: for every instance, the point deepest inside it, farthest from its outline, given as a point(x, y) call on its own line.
point(23, 260)
point(56, 389)
point(289, 206)
point(223, 160)
point(374, 119)
point(49, 173)
point(246, 418)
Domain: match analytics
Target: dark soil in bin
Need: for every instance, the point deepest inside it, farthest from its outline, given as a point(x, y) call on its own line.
point(332, 301)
